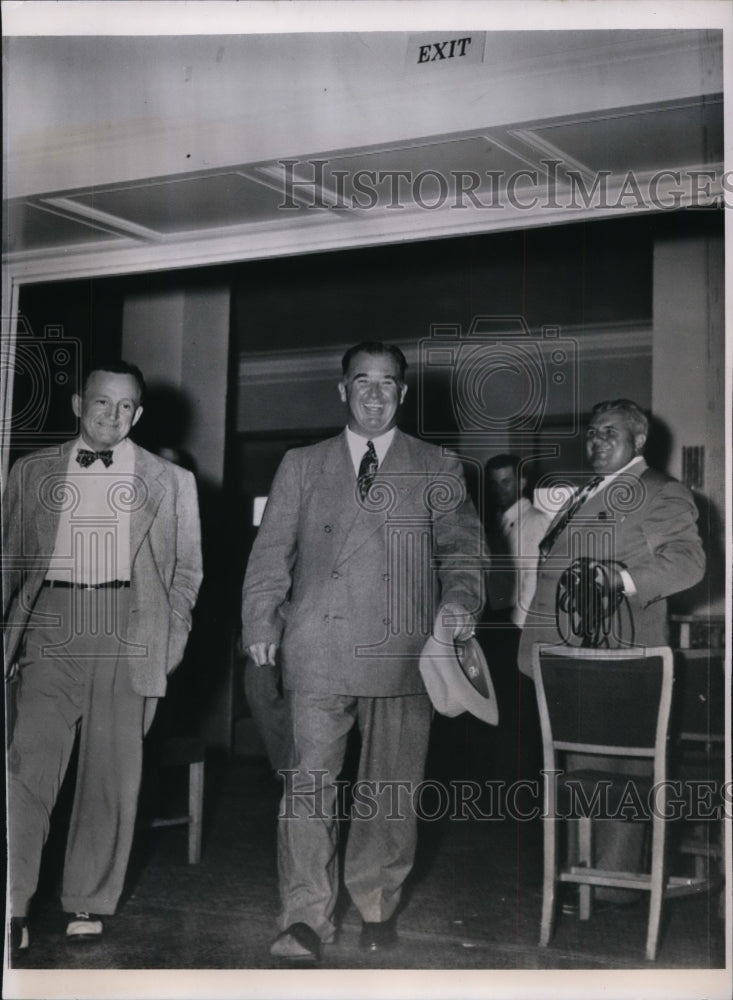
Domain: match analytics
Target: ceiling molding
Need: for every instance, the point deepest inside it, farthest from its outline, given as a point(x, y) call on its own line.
point(594, 342)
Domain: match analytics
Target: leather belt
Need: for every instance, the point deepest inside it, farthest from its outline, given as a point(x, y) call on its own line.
point(67, 584)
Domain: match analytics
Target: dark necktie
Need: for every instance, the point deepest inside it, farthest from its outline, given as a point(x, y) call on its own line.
point(557, 529)
point(85, 457)
point(367, 470)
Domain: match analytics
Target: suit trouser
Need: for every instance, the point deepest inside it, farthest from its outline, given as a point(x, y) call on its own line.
point(267, 705)
point(71, 679)
point(383, 835)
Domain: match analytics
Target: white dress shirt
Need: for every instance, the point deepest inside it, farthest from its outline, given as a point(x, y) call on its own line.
point(93, 536)
point(358, 446)
point(524, 527)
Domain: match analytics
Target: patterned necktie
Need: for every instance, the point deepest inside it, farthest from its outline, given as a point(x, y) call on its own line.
point(367, 470)
point(85, 457)
point(557, 529)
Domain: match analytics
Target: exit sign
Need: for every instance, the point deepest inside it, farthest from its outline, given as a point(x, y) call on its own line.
point(446, 49)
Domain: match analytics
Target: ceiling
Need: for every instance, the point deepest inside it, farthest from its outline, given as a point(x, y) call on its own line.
point(126, 154)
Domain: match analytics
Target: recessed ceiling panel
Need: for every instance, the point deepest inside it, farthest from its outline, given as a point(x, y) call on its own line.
point(188, 203)
point(450, 173)
point(646, 140)
point(27, 227)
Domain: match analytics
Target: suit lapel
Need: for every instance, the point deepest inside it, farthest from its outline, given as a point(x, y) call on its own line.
point(49, 512)
point(149, 470)
point(602, 506)
point(392, 484)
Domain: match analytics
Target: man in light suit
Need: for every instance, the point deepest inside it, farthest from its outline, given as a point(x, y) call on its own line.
point(363, 536)
point(102, 570)
point(641, 526)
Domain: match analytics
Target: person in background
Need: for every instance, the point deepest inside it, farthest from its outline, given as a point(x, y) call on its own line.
point(363, 536)
point(514, 530)
point(102, 569)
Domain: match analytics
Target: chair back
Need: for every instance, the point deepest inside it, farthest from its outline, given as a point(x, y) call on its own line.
point(614, 702)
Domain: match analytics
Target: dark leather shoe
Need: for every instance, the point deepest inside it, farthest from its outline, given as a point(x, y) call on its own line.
point(378, 936)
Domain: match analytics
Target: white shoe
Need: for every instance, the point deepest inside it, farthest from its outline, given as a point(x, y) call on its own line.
point(84, 927)
point(19, 939)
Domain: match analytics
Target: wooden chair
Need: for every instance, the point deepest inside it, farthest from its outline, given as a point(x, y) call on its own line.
point(614, 703)
point(190, 752)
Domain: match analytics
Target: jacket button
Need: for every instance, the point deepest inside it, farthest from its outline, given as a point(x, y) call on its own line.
point(326, 618)
point(385, 576)
point(386, 621)
point(335, 575)
point(327, 529)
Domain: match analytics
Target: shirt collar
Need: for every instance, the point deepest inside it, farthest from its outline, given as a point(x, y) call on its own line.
point(637, 459)
point(358, 445)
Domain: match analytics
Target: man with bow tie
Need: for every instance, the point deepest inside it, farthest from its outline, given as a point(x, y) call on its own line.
point(363, 536)
point(639, 526)
point(102, 570)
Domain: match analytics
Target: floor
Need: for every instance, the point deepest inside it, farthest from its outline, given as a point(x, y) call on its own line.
point(473, 902)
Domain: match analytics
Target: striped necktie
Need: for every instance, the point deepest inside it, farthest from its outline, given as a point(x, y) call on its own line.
point(367, 470)
point(568, 514)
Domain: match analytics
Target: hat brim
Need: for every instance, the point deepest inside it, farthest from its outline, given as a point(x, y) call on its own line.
point(457, 677)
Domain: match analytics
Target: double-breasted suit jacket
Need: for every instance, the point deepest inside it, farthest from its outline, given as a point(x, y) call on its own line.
point(645, 522)
point(165, 556)
point(349, 588)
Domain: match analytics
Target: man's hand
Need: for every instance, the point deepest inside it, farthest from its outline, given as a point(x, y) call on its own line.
point(263, 653)
point(461, 621)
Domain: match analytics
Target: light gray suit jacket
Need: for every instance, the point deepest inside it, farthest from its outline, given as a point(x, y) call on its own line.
point(349, 590)
point(165, 556)
point(642, 520)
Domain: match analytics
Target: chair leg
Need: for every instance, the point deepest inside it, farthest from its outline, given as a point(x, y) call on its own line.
point(657, 889)
point(195, 810)
point(584, 857)
point(549, 827)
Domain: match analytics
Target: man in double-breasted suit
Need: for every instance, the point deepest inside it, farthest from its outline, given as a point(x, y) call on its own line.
point(363, 536)
point(102, 569)
point(640, 525)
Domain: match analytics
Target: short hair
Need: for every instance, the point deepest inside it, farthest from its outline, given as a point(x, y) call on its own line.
point(118, 368)
point(504, 461)
point(375, 347)
point(636, 419)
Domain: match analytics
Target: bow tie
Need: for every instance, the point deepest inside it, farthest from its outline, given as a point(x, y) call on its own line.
point(85, 457)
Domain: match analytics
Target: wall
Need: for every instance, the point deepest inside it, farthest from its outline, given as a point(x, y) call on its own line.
point(179, 335)
point(688, 384)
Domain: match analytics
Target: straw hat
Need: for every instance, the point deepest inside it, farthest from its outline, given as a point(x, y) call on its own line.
point(457, 676)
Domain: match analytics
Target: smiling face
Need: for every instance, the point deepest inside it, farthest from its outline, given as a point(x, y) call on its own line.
point(373, 392)
point(610, 444)
point(109, 408)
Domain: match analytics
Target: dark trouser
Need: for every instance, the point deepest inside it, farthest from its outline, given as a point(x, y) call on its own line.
point(383, 835)
point(72, 680)
point(267, 705)
point(516, 741)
